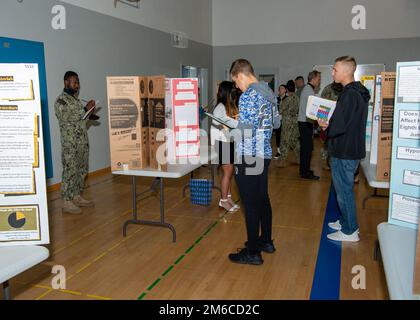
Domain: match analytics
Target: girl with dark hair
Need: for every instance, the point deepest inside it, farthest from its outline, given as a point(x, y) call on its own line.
point(227, 110)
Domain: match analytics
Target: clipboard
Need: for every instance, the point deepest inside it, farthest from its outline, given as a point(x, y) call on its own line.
point(218, 120)
point(93, 110)
point(88, 113)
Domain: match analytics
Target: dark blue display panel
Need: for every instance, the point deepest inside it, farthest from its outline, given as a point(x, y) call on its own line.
point(23, 51)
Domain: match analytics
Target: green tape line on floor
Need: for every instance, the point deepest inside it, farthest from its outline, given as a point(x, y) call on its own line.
point(141, 297)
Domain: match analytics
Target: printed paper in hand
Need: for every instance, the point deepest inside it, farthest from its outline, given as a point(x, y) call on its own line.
point(318, 108)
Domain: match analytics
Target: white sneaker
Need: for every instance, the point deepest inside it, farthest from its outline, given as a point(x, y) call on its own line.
point(341, 237)
point(335, 225)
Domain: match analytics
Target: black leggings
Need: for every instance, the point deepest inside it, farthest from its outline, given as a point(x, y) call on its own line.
point(253, 189)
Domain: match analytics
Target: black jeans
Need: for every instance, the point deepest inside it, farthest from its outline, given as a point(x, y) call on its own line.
point(252, 181)
point(306, 131)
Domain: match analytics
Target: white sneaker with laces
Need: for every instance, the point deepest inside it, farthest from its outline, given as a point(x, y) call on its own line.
point(337, 226)
point(341, 237)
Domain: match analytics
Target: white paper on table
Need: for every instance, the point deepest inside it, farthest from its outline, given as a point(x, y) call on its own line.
point(409, 84)
point(319, 108)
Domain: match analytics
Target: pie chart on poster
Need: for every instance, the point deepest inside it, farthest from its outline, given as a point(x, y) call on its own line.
point(17, 220)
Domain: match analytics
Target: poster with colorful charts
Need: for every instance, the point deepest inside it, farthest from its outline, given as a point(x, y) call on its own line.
point(23, 191)
point(404, 206)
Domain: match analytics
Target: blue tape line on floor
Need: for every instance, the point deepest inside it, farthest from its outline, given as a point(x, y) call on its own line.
point(326, 283)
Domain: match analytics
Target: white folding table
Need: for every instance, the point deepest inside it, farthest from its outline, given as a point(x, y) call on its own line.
point(15, 260)
point(370, 173)
point(175, 171)
point(398, 249)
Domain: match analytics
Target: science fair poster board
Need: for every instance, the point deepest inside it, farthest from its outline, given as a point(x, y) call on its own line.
point(369, 82)
point(404, 206)
point(375, 123)
point(23, 192)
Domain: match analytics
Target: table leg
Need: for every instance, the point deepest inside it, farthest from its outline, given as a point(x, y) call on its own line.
point(187, 186)
point(153, 188)
point(6, 291)
point(374, 195)
point(135, 219)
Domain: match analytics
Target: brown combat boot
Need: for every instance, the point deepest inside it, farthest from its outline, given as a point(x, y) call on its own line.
point(70, 208)
point(79, 201)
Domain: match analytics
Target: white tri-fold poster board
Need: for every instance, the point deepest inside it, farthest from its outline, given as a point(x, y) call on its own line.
point(182, 119)
point(23, 191)
point(375, 123)
point(369, 82)
point(404, 208)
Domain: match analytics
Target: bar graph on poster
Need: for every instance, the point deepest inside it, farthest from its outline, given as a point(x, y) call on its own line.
point(23, 196)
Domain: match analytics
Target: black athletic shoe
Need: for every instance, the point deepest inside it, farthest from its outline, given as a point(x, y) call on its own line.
point(244, 257)
point(309, 176)
point(267, 247)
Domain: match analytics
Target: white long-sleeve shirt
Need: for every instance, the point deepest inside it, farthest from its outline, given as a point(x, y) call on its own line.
point(218, 131)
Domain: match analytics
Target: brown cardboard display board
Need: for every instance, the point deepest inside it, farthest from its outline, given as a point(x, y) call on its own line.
point(383, 171)
point(144, 93)
point(156, 103)
point(416, 288)
point(125, 123)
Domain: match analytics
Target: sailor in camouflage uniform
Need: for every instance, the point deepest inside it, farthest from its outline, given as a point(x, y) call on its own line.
point(74, 143)
point(300, 84)
point(332, 91)
point(290, 132)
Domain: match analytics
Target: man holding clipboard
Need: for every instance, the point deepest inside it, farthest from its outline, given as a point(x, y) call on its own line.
point(346, 132)
point(72, 118)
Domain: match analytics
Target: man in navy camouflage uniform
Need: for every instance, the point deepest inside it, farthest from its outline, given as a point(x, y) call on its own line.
point(74, 144)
